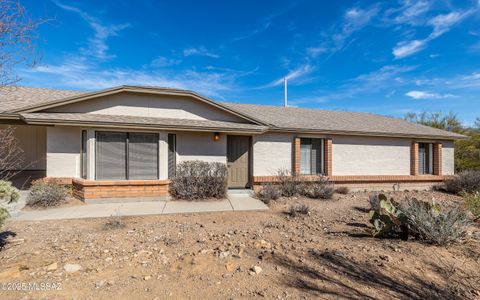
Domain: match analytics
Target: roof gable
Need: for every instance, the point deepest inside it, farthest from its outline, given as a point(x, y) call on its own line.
point(49, 105)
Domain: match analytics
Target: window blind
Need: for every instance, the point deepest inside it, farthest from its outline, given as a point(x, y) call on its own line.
point(111, 156)
point(142, 156)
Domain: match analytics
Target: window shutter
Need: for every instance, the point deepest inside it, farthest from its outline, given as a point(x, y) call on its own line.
point(111, 156)
point(172, 155)
point(142, 156)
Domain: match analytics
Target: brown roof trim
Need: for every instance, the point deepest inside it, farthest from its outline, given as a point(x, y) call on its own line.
point(133, 89)
point(365, 133)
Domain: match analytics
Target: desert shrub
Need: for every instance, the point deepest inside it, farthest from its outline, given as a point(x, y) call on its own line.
point(46, 194)
point(299, 209)
point(472, 202)
point(342, 190)
point(466, 181)
point(322, 189)
point(8, 194)
point(290, 184)
point(427, 222)
point(114, 222)
point(269, 192)
point(199, 180)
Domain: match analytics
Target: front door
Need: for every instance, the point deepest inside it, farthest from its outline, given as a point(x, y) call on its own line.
point(238, 160)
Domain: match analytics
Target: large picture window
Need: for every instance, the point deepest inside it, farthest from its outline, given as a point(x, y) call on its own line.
point(126, 156)
point(312, 156)
point(425, 158)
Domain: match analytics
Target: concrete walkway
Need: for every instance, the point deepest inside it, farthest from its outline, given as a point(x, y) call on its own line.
point(235, 202)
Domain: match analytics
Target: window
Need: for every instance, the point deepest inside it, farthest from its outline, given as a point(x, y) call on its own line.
point(84, 154)
point(172, 154)
point(126, 156)
point(312, 156)
point(425, 158)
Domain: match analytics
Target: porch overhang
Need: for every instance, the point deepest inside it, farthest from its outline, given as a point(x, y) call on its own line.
point(120, 121)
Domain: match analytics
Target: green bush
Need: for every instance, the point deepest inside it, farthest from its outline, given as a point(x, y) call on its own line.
point(46, 194)
point(472, 202)
point(197, 179)
point(269, 192)
point(466, 182)
point(8, 194)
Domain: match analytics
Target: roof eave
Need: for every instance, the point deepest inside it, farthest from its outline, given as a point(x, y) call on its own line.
point(364, 133)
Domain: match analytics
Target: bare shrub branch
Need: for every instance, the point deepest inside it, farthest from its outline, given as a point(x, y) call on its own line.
point(18, 35)
point(12, 157)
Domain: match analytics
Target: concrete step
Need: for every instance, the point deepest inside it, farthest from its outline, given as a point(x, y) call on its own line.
point(240, 192)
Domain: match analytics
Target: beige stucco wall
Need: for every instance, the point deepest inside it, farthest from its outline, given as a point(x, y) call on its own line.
point(201, 146)
point(448, 158)
point(32, 140)
point(63, 151)
point(159, 106)
point(271, 152)
point(370, 156)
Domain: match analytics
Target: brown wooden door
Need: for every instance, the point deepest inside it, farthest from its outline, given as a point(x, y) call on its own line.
point(238, 160)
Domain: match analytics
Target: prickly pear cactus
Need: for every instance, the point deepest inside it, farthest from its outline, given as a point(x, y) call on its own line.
point(387, 219)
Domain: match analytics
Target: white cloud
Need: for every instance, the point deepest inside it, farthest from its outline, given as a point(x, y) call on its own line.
point(440, 24)
point(97, 47)
point(162, 61)
point(201, 51)
point(354, 20)
point(404, 49)
point(293, 75)
point(427, 95)
point(86, 76)
point(316, 51)
point(412, 11)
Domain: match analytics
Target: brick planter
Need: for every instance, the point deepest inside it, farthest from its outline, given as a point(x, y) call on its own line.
point(91, 189)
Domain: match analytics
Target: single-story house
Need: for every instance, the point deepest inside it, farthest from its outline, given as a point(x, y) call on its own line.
point(126, 141)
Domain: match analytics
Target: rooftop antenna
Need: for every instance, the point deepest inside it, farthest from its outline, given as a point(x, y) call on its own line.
point(285, 99)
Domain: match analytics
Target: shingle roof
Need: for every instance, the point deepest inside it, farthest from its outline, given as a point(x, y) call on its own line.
point(15, 97)
point(277, 117)
point(132, 121)
point(301, 119)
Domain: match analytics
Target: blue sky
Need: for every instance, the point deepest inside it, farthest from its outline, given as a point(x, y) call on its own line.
point(387, 57)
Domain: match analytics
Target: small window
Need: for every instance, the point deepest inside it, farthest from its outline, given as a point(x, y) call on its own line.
point(312, 156)
point(84, 154)
point(172, 155)
point(425, 158)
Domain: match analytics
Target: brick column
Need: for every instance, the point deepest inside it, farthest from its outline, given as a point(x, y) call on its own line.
point(414, 159)
point(437, 159)
point(296, 156)
point(328, 157)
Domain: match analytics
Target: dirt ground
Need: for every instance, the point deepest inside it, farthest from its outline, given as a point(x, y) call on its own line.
point(235, 255)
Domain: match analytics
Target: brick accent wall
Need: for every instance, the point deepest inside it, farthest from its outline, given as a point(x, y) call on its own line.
point(328, 157)
point(296, 156)
point(437, 159)
point(360, 178)
point(414, 159)
point(90, 189)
